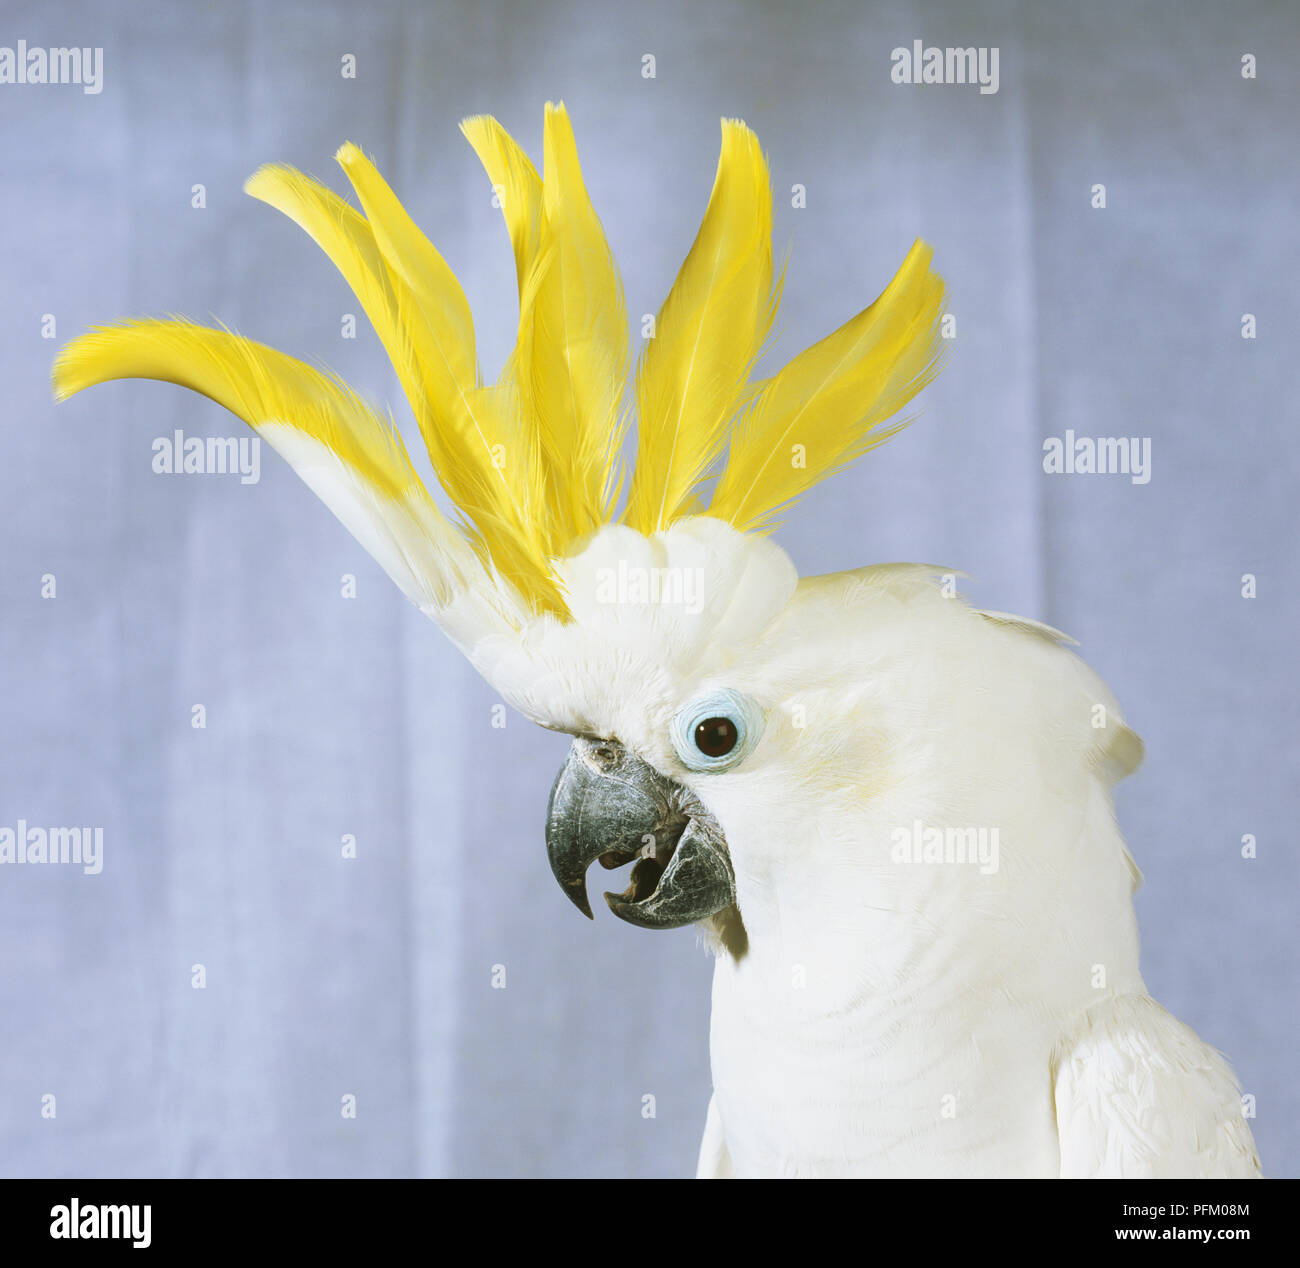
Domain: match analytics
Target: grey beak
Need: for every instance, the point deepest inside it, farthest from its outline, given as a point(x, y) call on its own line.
point(608, 804)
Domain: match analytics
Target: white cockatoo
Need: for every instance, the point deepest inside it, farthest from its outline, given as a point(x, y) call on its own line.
point(890, 813)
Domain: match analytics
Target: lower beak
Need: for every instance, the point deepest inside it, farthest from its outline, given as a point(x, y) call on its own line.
point(608, 804)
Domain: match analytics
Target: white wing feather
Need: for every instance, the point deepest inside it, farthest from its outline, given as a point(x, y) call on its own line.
point(1140, 1096)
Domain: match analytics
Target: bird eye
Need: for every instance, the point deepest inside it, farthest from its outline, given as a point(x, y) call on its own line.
point(717, 731)
point(716, 737)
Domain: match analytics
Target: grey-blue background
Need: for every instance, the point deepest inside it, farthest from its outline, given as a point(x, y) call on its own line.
point(329, 716)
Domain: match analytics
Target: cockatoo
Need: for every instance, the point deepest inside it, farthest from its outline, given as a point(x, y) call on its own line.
point(889, 813)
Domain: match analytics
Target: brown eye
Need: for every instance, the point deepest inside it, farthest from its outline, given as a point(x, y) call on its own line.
point(716, 730)
point(716, 737)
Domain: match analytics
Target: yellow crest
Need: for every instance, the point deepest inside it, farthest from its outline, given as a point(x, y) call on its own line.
point(531, 461)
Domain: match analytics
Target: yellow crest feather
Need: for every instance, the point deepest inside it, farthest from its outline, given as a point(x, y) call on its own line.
point(516, 184)
point(579, 340)
point(693, 373)
point(531, 461)
point(252, 381)
point(831, 399)
point(478, 438)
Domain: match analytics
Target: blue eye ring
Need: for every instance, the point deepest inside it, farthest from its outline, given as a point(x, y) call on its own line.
point(711, 721)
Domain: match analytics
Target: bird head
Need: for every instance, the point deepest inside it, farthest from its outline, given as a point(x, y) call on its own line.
point(658, 623)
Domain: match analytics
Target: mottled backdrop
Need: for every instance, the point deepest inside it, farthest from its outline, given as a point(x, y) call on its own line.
point(330, 717)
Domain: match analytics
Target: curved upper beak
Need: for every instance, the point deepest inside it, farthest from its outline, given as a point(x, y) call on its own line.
point(608, 804)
